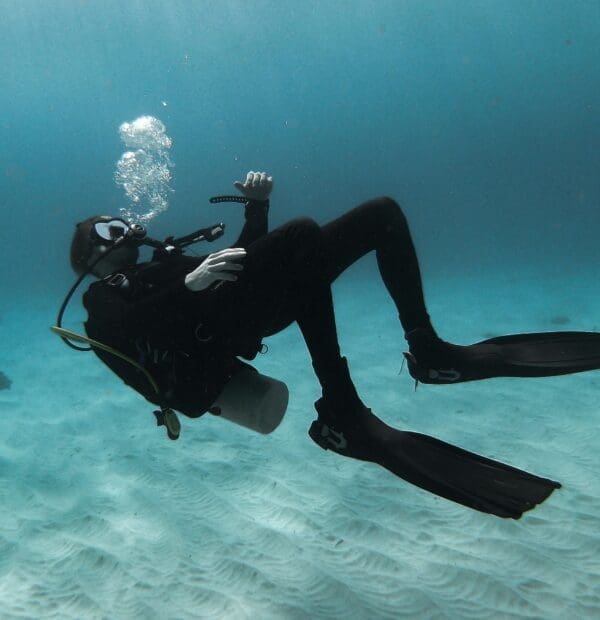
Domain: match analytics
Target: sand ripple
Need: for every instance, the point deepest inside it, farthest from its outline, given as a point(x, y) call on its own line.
point(104, 518)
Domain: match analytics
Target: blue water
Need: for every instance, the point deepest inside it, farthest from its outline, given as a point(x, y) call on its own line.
point(481, 119)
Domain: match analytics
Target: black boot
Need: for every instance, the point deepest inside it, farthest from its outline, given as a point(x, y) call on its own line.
point(429, 358)
point(341, 413)
point(432, 360)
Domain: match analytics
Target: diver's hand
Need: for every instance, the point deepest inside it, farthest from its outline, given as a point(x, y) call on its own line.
point(217, 266)
point(258, 186)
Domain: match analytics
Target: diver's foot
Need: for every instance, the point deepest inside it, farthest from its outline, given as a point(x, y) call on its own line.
point(328, 437)
point(346, 432)
point(432, 360)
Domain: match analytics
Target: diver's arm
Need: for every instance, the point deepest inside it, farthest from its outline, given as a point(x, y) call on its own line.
point(256, 188)
point(256, 225)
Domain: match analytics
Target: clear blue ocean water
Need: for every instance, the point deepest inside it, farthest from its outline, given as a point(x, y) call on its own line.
point(481, 119)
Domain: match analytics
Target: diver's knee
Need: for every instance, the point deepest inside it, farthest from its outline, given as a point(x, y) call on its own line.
point(306, 227)
point(306, 223)
point(388, 204)
point(389, 210)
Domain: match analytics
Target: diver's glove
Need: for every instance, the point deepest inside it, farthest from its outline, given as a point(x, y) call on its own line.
point(257, 187)
point(220, 265)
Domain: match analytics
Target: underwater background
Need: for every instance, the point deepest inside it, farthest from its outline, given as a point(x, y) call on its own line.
point(481, 119)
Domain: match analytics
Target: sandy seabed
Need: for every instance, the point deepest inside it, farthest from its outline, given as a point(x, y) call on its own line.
point(104, 517)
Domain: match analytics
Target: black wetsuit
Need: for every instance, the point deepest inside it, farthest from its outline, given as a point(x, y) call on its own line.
point(190, 341)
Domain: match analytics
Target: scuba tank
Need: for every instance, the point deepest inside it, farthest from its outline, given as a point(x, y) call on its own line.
point(253, 400)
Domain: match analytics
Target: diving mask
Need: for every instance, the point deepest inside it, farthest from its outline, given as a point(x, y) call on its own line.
point(115, 230)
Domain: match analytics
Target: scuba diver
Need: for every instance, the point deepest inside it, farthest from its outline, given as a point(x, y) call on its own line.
point(175, 327)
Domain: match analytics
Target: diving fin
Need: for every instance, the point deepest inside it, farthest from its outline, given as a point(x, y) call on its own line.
point(438, 467)
point(431, 360)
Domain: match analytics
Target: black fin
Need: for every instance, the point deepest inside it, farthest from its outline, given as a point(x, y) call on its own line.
point(432, 360)
point(438, 467)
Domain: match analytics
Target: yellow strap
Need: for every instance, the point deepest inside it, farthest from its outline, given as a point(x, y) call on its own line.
point(66, 333)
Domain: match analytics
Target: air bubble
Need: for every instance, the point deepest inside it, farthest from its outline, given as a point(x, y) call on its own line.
point(144, 172)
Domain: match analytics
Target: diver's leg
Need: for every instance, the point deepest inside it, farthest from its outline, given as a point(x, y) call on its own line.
point(380, 225)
